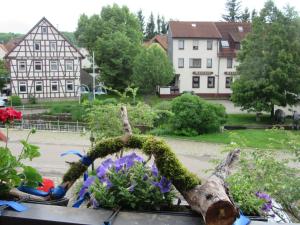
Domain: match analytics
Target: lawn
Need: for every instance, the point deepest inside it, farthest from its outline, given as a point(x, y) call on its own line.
point(250, 119)
point(262, 139)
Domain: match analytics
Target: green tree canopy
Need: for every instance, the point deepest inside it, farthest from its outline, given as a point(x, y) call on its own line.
point(269, 62)
point(152, 67)
point(115, 36)
point(233, 11)
point(3, 74)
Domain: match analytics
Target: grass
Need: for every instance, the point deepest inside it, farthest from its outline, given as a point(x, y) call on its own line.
point(262, 139)
point(250, 119)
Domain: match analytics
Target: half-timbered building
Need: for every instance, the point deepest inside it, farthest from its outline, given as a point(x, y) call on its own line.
point(44, 64)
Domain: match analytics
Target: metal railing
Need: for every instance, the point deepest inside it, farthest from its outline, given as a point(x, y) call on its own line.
point(60, 126)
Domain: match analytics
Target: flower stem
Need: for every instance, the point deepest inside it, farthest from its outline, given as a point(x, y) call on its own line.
point(6, 135)
point(27, 138)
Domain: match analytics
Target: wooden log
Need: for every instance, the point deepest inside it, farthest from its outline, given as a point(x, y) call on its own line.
point(22, 195)
point(212, 199)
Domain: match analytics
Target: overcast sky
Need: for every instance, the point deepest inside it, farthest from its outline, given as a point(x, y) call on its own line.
point(19, 16)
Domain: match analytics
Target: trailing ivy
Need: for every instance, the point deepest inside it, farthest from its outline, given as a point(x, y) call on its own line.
point(165, 159)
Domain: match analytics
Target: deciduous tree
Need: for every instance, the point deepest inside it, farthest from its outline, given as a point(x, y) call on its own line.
point(152, 67)
point(3, 74)
point(269, 66)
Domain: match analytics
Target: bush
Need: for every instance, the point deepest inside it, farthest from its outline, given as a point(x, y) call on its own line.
point(15, 100)
point(193, 115)
point(112, 101)
point(260, 172)
point(163, 105)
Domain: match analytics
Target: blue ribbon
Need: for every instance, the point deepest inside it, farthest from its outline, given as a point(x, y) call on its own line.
point(80, 200)
point(33, 191)
point(85, 160)
point(58, 192)
point(242, 220)
point(14, 205)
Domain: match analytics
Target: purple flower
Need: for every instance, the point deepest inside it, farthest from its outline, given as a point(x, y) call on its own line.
point(267, 206)
point(106, 182)
point(145, 177)
point(105, 165)
point(164, 185)
point(131, 188)
point(94, 203)
point(127, 161)
point(87, 183)
point(154, 170)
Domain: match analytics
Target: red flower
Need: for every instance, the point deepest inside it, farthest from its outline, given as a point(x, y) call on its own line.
point(9, 114)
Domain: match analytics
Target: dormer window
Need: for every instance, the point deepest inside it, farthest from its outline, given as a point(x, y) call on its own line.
point(225, 44)
point(241, 29)
point(37, 46)
point(194, 25)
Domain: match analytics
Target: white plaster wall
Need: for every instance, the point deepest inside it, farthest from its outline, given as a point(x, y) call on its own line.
point(186, 73)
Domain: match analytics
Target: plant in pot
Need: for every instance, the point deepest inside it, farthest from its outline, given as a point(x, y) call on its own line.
point(13, 171)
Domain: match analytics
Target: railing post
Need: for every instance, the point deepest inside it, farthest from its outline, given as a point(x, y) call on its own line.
point(77, 126)
point(58, 126)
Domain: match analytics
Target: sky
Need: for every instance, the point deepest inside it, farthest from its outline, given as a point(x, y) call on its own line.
point(19, 16)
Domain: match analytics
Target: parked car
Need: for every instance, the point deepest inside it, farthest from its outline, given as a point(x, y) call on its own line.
point(3, 101)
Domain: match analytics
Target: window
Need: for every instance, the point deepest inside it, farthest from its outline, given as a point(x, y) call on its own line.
point(180, 44)
point(22, 87)
point(225, 44)
point(37, 65)
point(54, 86)
point(70, 85)
point(69, 65)
point(195, 63)
point(38, 86)
point(195, 44)
point(44, 30)
point(53, 65)
point(228, 82)
point(53, 46)
point(37, 46)
point(211, 82)
point(21, 66)
point(180, 62)
point(209, 63)
point(241, 29)
point(209, 44)
point(196, 82)
point(229, 62)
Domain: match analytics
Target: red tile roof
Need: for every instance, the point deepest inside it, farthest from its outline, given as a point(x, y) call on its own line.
point(161, 39)
point(184, 29)
point(231, 30)
point(3, 47)
point(12, 43)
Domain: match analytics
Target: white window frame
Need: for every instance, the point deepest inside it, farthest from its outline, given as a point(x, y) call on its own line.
point(209, 63)
point(229, 63)
point(181, 44)
point(180, 62)
point(68, 63)
point(195, 44)
point(68, 82)
point(19, 65)
point(192, 63)
point(51, 46)
point(35, 64)
point(197, 83)
point(209, 45)
point(52, 63)
point(37, 43)
point(213, 83)
point(38, 83)
point(228, 82)
point(22, 83)
point(54, 83)
point(224, 44)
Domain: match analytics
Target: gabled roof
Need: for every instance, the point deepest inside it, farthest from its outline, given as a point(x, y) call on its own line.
point(161, 39)
point(47, 21)
point(235, 30)
point(189, 29)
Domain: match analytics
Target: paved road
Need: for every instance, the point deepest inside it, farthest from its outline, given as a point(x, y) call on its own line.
point(195, 156)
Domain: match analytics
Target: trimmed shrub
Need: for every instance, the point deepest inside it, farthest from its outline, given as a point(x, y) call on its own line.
point(193, 115)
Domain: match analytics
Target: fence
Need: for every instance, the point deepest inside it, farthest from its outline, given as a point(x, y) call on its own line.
point(60, 126)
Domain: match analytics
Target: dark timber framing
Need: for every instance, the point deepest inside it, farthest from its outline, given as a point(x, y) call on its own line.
point(64, 52)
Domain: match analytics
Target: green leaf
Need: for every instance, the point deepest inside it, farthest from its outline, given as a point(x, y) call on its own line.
point(29, 151)
point(31, 176)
